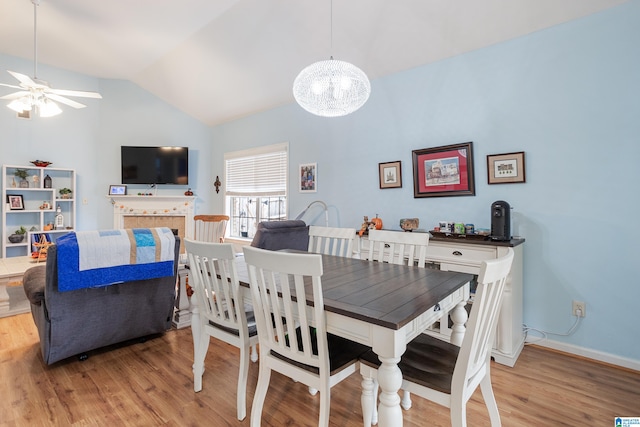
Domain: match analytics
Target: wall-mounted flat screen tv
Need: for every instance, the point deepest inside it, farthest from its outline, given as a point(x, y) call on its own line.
point(155, 165)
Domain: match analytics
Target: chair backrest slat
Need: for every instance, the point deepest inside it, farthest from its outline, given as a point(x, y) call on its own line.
point(214, 278)
point(282, 284)
point(397, 247)
point(331, 240)
point(210, 228)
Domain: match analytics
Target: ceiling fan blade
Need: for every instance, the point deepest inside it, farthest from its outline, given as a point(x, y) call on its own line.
point(16, 95)
point(74, 93)
point(11, 86)
point(66, 101)
point(22, 78)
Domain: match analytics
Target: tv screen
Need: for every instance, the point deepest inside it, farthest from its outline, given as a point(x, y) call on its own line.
point(155, 165)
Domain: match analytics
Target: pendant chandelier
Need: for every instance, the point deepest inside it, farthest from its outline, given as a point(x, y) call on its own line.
point(331, 88)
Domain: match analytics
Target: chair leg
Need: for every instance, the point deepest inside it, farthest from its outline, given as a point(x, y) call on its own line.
point(200, 348)
point(264, 375)
point(490, 401)
point(325, 406)
point(369, 397)
point(312, 391)
point(406, 400)
point(254, 354)
point(458, 411)
point(241, 392)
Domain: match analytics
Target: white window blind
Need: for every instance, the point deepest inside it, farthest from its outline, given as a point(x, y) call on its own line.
point(258, 172)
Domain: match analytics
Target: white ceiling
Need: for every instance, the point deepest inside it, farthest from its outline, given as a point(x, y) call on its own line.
point(219, 60)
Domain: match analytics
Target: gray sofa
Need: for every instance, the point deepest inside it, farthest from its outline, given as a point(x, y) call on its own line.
point(74, 322)
point(277, 235)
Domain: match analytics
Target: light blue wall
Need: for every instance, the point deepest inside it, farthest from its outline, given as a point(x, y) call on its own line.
point(89, 139)
point(568, 96)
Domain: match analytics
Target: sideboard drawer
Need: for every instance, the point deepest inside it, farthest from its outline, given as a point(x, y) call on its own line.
point(462, 252)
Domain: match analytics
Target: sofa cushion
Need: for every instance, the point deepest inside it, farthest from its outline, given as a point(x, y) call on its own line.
point(33, 282)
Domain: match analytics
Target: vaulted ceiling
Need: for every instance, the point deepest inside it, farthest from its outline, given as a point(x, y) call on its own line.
point(219, 60)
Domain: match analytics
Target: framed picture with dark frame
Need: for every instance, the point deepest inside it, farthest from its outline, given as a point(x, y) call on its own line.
point(308, 178)
point(16, 202)
point(444, 171)
point(390, 174)
point(117, 190)
point(506, 168)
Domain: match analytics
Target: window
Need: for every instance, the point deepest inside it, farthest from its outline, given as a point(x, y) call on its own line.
point(256, 187)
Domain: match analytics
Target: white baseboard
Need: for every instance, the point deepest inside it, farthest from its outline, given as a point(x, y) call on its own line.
point(588, 353)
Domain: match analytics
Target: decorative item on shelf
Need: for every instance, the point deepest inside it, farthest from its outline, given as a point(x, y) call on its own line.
point(59, 219)
point(48, 227)
point(18, 235)
point(22, 174)
point(217, 184)
point(377, 223)
point(188, 192)
point(41, 163)
point(48, 182)
point(409, 224)
point(365, 226)
point(45, 205)
point(65, 193)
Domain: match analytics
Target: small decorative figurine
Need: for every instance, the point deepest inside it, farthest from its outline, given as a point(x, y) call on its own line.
point(188, 192)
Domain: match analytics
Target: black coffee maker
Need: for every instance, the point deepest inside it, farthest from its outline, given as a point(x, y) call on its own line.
point(500, 221)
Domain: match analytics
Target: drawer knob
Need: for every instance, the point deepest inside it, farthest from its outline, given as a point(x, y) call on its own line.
point(436, 307)
point(457, 253)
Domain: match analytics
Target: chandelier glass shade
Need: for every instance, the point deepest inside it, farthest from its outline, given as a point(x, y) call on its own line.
point(43, 106)
point(331, 88)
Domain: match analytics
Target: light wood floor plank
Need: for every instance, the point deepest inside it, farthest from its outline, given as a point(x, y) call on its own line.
point(151, 383)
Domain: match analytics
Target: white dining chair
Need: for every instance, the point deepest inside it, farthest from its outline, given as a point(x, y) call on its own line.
point(397, 247)
point(219, 311)
point(304, 352)
point(331, 240)
point(445, 373)
point(210, 228)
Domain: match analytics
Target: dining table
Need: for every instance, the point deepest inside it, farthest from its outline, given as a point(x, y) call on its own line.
point(385, 306)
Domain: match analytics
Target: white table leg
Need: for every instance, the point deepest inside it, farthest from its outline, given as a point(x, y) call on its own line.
point(182, 315)
point(459, 317)
point(4, 296)
point(390, 381)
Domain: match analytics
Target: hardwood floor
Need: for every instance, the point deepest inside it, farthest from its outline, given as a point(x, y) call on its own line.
point(150, 383)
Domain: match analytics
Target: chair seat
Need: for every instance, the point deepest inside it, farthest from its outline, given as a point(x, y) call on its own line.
point(428, 361)
point(342, 353)
point(251, 323)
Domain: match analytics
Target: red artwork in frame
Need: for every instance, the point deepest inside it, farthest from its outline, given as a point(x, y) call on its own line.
point(444, 171)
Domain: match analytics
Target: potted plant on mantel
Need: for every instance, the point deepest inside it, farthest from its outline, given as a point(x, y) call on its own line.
point(18, 235)
point(65, 193)
point(22, 174)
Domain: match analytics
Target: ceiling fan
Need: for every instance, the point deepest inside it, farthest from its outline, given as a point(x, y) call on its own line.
point(36, 94)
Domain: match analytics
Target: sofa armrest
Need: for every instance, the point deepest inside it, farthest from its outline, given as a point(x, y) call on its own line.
point(33, 282)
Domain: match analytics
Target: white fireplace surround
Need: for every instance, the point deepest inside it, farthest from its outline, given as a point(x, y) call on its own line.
point(154, 206)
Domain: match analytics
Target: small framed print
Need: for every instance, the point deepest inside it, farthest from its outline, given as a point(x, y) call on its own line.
point(308, 178)
point(506, 168)
point(16, 202)
point(117, 190)
point(390, 174)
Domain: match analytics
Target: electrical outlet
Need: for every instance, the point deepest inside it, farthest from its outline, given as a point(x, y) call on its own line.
point(579, 306)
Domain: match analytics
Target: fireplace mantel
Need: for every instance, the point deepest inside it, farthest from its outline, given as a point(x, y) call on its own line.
point(154, 206)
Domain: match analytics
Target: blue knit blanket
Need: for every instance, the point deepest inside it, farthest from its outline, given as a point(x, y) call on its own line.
point(88, 259)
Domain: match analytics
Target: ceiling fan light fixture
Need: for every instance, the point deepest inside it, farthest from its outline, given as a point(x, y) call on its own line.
point(20, 105)
point(48, 108)
point(331, 88)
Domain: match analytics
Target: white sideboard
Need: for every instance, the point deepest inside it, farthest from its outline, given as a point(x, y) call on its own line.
point(460, 254)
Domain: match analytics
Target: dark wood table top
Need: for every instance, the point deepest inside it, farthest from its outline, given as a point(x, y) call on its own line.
point(383, 294)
